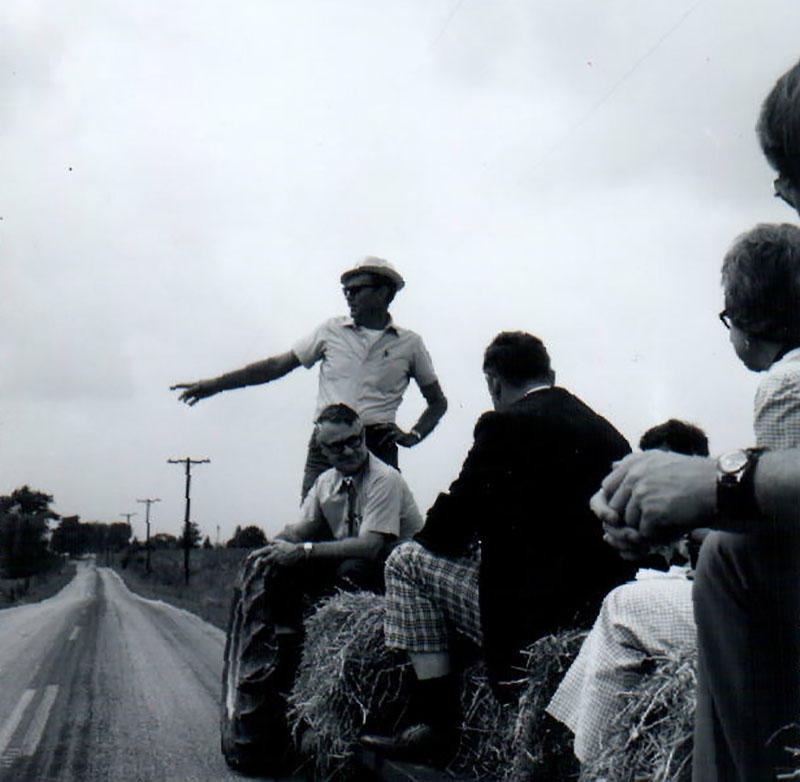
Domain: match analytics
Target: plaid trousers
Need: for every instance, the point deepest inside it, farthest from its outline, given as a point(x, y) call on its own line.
point(429, 597)
point(637, 621)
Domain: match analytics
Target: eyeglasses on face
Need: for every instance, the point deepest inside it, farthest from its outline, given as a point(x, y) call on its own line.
point(352, 290)
point(338, 446)
point(782, 189)
point(726, 319)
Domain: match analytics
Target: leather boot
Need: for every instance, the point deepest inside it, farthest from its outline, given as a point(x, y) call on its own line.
point(432, 737)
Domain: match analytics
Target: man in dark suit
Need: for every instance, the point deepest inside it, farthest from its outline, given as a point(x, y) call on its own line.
point(511, 552)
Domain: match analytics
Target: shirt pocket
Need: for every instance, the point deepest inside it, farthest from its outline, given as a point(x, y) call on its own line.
point(391, 372)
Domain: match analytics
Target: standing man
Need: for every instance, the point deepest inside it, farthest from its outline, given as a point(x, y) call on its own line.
point(509, 553)
point(366, 362)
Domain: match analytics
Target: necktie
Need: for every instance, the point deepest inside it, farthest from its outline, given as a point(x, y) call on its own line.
point(352, 519)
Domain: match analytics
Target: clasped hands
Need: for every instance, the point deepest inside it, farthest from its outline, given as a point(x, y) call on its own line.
point(652, 498)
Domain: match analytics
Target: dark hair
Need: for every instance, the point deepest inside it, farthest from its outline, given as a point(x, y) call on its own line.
point(677, 436)
point(338, 414)
point(517, 357)
point(761, 279)
point(778, 125)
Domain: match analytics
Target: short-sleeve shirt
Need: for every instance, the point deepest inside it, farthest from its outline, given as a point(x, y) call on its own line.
point(367, 369)
point(384, 502)
point(777, 404)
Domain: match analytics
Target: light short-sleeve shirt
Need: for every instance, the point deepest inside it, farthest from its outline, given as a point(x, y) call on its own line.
point(367, 369)
point(777, 404)
point(384, 502)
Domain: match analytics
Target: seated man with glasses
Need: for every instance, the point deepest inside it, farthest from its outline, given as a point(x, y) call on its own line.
point(747, 587)
point(366, 362)
point(351, 519)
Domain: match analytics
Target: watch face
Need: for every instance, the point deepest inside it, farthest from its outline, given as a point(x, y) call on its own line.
point(733, 461)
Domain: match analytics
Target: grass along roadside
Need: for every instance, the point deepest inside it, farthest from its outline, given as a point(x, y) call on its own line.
point(16, 591)
point(211, 576)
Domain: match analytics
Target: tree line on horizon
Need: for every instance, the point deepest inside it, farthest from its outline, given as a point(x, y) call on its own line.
point(29, 544)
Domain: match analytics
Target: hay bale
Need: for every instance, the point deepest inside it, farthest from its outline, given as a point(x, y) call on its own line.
point(544, 744)
point(517, 742)
point(350, 683)
point(651, 736)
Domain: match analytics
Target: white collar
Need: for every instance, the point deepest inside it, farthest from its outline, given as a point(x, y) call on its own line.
point(533, 390)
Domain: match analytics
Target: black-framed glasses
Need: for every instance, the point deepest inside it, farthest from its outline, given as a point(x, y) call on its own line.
point(726, 319)
point(352, 290)
point(782, 192)
point(337, 446)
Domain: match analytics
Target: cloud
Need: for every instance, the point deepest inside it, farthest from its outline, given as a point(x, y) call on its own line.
point(181, 185)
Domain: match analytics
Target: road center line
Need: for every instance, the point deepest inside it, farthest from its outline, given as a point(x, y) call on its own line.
point(36, 728)
point(74, 634)
point(7, 731)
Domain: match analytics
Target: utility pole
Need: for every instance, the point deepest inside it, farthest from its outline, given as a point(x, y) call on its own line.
point(128, 519)
point(188, 462)
point(148, 502)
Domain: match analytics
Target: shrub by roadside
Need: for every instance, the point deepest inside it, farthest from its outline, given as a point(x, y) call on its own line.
point(56, 575)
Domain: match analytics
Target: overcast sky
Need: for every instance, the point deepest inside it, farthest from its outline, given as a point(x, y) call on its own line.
point(182, 183)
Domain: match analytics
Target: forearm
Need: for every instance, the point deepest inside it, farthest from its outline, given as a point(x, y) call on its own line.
point(777, 493)
point(363, 547)
point(777, 487)
point(430, 417)
point(256, 373)
point(437, 406)
point(302, 531)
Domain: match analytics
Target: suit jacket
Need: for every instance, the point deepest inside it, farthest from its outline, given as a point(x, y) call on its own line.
point(524, 491)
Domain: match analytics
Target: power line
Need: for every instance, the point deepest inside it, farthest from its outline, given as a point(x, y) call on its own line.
point(607, 95)
point(447, 22)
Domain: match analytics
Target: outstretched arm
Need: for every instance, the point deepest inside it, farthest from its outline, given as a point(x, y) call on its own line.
point(251, 375)
point(437, 405)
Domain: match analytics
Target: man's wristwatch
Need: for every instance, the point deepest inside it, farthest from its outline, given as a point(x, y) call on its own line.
point(736, 496)
point(307, 549)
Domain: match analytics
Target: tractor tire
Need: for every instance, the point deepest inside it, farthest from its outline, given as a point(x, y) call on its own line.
point(254, 732)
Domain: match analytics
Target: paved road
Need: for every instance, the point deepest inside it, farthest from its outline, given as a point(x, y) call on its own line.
point(98, 684)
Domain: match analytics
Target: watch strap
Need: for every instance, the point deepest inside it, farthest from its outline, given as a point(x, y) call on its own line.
point(736, 495)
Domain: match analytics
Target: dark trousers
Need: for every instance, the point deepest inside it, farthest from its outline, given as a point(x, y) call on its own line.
point(291, 591)
point(747, 608)
point(317, 463)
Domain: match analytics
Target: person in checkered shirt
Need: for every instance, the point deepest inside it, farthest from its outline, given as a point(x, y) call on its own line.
point(637, 622)
point(747, 587)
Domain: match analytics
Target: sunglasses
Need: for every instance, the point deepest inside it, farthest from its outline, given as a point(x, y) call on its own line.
point(338, 446)
point(352, 290)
